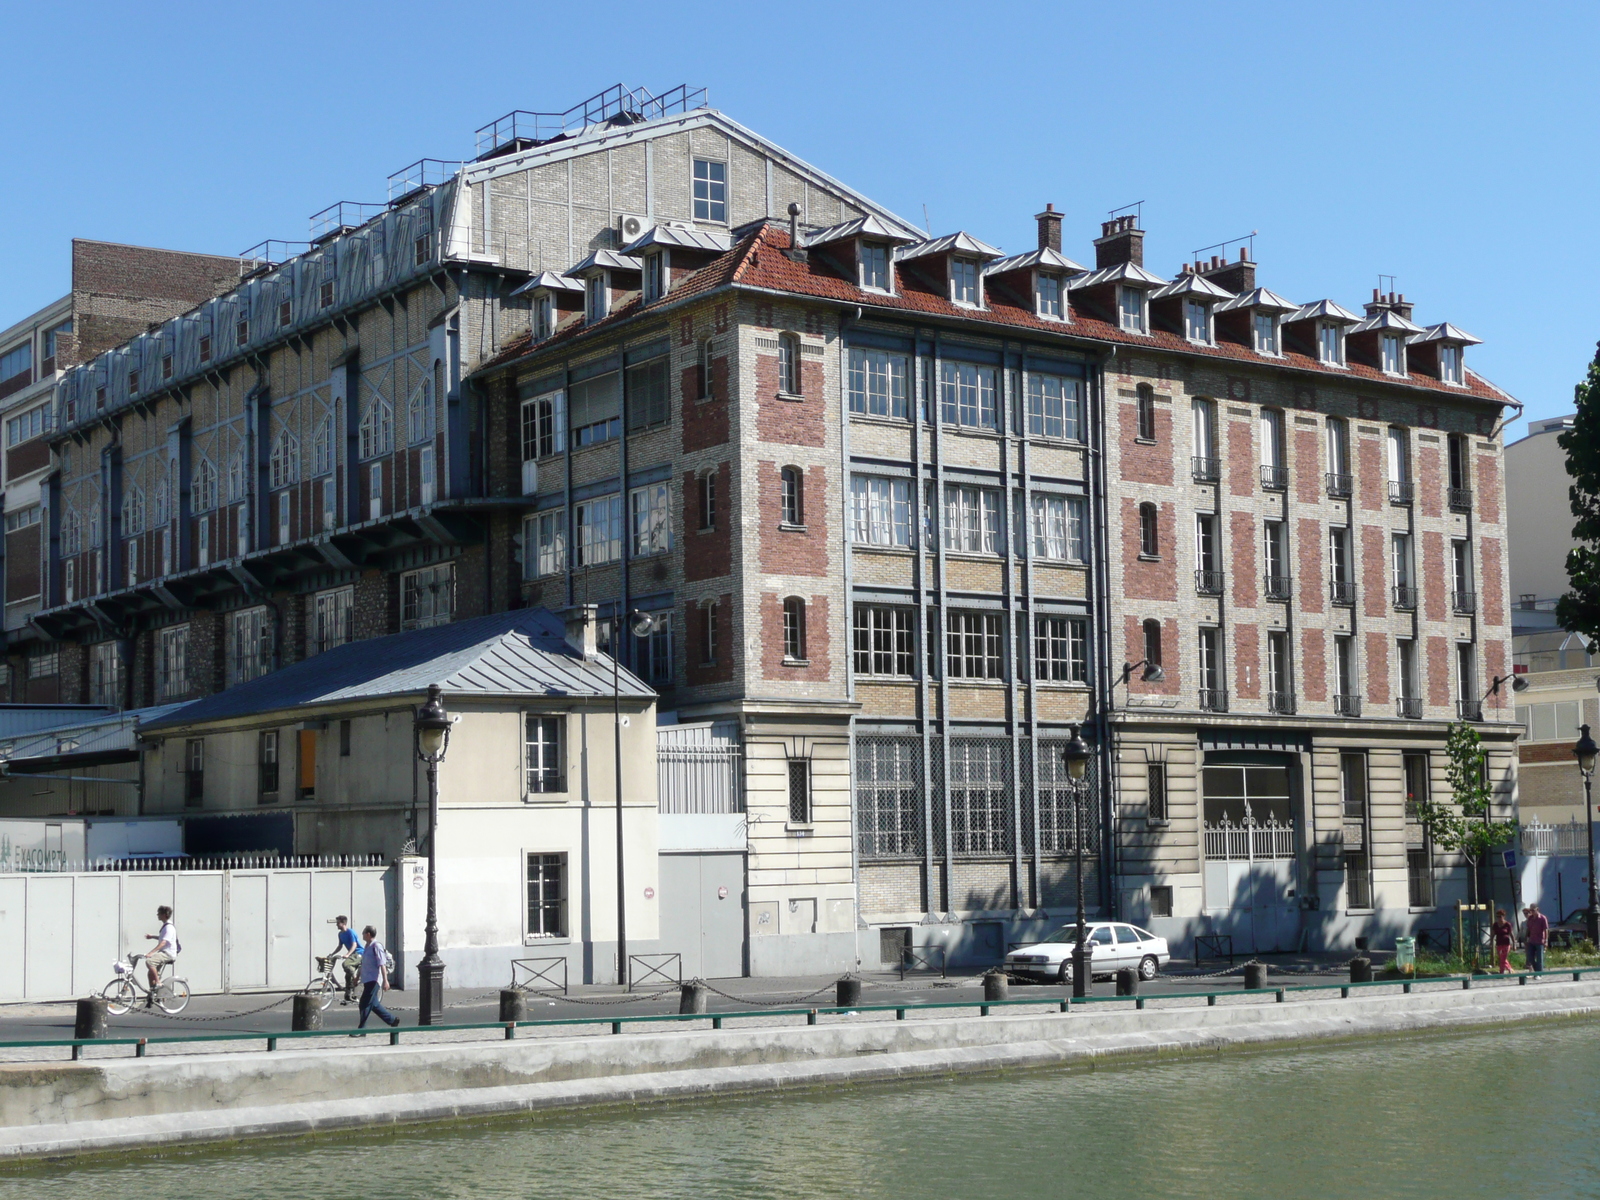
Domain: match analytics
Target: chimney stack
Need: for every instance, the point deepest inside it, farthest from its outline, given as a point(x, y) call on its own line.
point(583, 621)
point(1049, 228)
point(1236, 277)
point(1120, 241)
point(1394, 302)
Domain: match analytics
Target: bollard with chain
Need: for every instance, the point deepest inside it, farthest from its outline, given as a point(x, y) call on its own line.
point(513, 1004)
point(1255, 976)
point(996, 985)
point(692, 997)
point(307, 1013)
point(91, 1020)
point(847, 992)
point(1127, 981)
point(1360, 969)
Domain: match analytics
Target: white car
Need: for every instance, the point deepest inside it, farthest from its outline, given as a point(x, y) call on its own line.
point(1115, 946)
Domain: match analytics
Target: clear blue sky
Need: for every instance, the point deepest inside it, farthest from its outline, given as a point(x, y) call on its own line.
point(1449, 145)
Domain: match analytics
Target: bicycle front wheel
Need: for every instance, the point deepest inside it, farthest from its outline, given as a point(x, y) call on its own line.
point(173, 995)
point(119, 997)
point(322, 988)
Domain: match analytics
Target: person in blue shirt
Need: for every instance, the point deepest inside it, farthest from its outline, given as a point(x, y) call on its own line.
point(350, 955)
point(374, 980)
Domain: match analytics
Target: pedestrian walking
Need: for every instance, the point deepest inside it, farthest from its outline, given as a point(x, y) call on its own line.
point(1537, 927)
point(374, 980)
point(1502, 933)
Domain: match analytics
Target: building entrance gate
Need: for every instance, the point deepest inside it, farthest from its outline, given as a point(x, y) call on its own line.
point(1250, 856)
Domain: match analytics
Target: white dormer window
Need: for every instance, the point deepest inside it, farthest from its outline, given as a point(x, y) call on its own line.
point(654, 276)
point(544, 317)
point(964, 281)
point(1130, 304)
point(1330, 343)
point(1394, 354)
point(1450, 364)
point(1265, 326)
point(596, 296)
point(873, 261)
point(1047, 295)
point(1197, 321)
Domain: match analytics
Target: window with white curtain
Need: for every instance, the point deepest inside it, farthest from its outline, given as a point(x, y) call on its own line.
point(881, 510)
point(1056, 526)
point(972, 520)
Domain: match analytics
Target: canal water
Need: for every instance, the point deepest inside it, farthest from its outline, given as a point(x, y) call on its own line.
point(1489, 1115)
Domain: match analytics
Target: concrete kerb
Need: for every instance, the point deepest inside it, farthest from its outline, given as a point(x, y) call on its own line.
point(84, 1108)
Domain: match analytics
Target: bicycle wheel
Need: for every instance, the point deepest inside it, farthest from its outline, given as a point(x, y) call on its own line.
point(119, 997)
point(322, 988)
point(173, 995)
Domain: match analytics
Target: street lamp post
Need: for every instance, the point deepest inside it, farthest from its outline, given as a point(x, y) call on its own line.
point(1585, 752)
point(641, 624)
point(432, 728)
point(1076, 756)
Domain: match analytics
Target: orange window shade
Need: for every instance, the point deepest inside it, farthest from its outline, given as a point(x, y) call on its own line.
point(308, 760)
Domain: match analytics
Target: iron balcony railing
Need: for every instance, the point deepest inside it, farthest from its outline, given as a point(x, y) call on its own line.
point(1461, 499)
point(1346, 705)
point(1338, 483)
point(1469, 710)
point(1341, 592)
point(1208, 583)
point(1250, 839)
point(1213, 700)
point(1275, 479)
point(1281, 703)
point(1409, 706)
point(1205, 470)
point(1405, 596)
point(1464, 602)
point(1399, 491)
point(1277, 586)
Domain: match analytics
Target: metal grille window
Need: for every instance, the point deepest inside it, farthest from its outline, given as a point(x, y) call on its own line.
point(1155, 793)
point(972, 520)
point(710, 190)
point(1058, 529)
point(973, 646)
point(881, 511)
point(172, 676)
point(599, 531)
point(652, 523)
point(547, 895)
point(967, 396)
point(1060, 815)
point(427, 597)
point(877, 383)
point(545, 764)
point(648, 394)
point(1055, 406)
point(980, 796)
point(544, 544)
point(332, 616)
point(250, 645)
point(800, 791)
point(267, 762)
point(888, 797)
point(884, 641)
point(1061, 649)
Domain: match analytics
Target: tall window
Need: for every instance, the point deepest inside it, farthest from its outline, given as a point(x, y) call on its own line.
point(980, 796)
point(194, 772)
point(1055, 406)
point(708, 500)
point(547, 895)
point(1460, 471)
point(652, 654)
point(873, 260)
point(880, 510)
point(546, 765)
point(1147, 412)
point(652, 276)
point(1341, 584)
point(205, 485)
point(1399, 464)
point(596, 296)
point(267, 764)
point(1197, 321)
point(1357, 868)
point(1272, 449)
point(105, 674)
point(1151, 629)
point(544, 426)
point(1061, 650)
point(1463, 597)
point(974, 646)
point(1265, 328)
point(1155, 793)
point(710, 190)
point(544, 544)
point(1344, 674)
point(1149, 531)
point(878, 383)
point(1330, 343)
point(1209, 664)
point(376, 432)
point(1280, 681)
point(1047, 295)
point(884, 641)
point(649, 394)
point(789, 364)
point(790, 488)
point(172, 668)
point(800, 791)
point(332, 618)
point(428, 596)
point(1450, 364)
point(1275, 558)
point(1466, 676)
point(133, 512)
point(1058, 527)
point(1406, 656)
point(963, 281)
point(706, 372)
point(888, 800)
point(1338, 446)
point(599, 531)
point(794, 629)
point(1130, 307)
point(1206, 558)
point(1393, 354)
point(972, 520)
point(250, 644)
point(708, 633)
point(967, 395)
point(1419, 854)
point(544, 317)
point(1205, 429)
point(652, 525)
point(1405, 591)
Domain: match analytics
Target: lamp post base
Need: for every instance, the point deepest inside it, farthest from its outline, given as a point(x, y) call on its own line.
point(1592, 921)
point(1082, 975)
point(430, 991)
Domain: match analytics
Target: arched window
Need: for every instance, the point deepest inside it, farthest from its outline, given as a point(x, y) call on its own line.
point(205, 485)
point(419, 417)
point(794, 629)
point(236, 476)
point(284, 466)
point(132, 512)
point(708, 499)
point(1147, 413)
point(708, 633)
point(377, 429)
point(322, 447)
point(792, 496)
point(705, 369)
point(789, 364)
point(1149, 531)
point(1152, 641)
point(71, 533)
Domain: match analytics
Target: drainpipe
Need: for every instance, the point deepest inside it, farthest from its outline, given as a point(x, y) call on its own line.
point(1099, 558)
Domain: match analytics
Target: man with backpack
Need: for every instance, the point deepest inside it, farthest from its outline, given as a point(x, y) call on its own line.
point(166, 951)
point(374, 979)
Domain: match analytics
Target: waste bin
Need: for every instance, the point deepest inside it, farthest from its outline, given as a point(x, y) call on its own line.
point(1405, 953)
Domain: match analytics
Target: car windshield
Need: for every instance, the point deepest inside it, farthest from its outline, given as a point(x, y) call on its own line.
point(1068, 934)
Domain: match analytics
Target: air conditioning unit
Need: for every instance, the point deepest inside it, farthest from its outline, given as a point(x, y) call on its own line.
point(630, 227)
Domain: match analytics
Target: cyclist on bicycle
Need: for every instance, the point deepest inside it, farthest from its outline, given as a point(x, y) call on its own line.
point(349, 956)
point(166, 951)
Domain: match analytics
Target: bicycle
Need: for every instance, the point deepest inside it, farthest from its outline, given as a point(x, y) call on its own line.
point(122, 993)
point(322, 984)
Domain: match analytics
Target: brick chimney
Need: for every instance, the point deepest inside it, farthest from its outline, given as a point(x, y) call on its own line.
point(583, 621)
point(1049, 228)
point(1120, 241)
point(1236, 277)
point(1394, 302)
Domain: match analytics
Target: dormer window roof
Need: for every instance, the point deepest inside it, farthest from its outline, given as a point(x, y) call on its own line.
point(1261, 299)
point(1386, 321)
point(1446, 332)
point(963, 257)
point(870, 242)
point(1123, 273)
point(551, 295)
point(1196, 286)
point(687, 237)
point(1324, 310)
point(606, 260)
point(951, 243)
point(1447, 344)
point(1328, 322)
point(1043, 272)
point(549, 281)
point(596, 271)
point(1039, 260)
point(1185, 304)
point(1382, 340)
point(1126, 293)
point(861, 227)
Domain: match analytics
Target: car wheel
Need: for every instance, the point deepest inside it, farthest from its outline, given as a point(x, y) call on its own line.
point(1148, 966)
point(1065, 974)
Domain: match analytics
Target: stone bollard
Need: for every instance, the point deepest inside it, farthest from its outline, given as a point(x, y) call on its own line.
point(847, 992)
point(996, 986)
point(307, 1013)
point(91, 1022)
point(1360, 969)
point(513, 1004)
point(692, 997)
point(1255, 976)
point(1127, 981)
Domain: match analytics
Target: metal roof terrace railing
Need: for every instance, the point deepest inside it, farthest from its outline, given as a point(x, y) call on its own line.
point(346, 214)
point(270, 253)
point(617, 104)
point(424, 173)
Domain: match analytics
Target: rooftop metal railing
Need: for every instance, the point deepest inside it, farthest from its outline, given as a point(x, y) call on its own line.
point(521, 128)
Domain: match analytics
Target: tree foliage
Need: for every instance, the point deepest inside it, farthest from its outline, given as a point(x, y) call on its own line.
point(1464, 824)
point(1579, 609)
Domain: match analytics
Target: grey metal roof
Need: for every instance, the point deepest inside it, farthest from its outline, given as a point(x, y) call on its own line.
point(687, 236)
point(1446, 332)
point(1261, 298)
point(1191, 285)
point(951, 243)
point(115, 731)
point(522, 653)
point(1386, 319)
point(1323, 310)
point(551, 280)
point(1121, 273)
point(608, 259)
point(1044, 259)
point(867, 226)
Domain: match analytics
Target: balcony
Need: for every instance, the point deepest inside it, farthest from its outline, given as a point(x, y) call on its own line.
point(1338, 484)
point(1405, 596)
point(1281, 703)
point(1208, 583)
point(1469, 710)
point(1275, 479)
point(1461, 499)
point(1213, 700)
point(1399, 491)
point(1205, 470)
point(1464, 602)
point(1341, 592)
point(1346, 706)
point(1276, 586)
point(1409, 707)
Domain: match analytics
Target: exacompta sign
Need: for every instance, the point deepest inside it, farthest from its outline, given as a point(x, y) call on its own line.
point(40, 845)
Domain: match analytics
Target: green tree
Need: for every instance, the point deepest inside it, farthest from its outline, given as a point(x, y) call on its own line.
point(1464, 824)
point(1579, 609)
